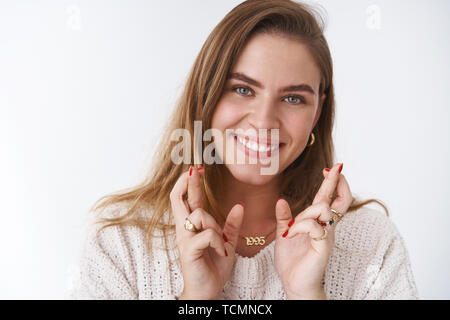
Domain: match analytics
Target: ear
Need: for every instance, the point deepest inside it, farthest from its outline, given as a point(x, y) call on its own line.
point(319, 109)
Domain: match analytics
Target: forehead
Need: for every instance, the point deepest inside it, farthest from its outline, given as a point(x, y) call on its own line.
point(277, 60)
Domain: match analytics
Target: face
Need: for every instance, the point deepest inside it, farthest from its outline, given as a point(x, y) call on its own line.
point(256, 97)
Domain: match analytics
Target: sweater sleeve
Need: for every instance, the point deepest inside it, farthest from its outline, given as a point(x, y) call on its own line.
point(106, 268)
point(394, 280)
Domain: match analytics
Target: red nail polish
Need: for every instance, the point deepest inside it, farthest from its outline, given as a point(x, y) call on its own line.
point(190, 170)
point(327, 170)
point(225, 237)
point(285, 233)
point(291, 222)
point(199, 168)
point(340, 168)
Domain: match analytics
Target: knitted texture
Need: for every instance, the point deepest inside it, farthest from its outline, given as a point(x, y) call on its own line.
point(369, 261)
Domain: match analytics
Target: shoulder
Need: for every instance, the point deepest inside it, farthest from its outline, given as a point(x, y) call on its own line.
point(115, 260)
point(112, 231)
point(108, 236)
point(365, 229)
point(116, 227)
point(367, 221)
point(114, 211)
point(108, 219)
point(370, 259)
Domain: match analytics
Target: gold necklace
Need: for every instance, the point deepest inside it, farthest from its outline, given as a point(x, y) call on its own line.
point(257, 241)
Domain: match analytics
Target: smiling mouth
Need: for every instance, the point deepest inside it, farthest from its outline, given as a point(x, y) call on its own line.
point(256, 147)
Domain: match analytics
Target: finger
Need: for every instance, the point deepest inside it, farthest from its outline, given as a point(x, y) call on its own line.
point(321, 211)
point(233, 224)
point(344, 197)
point(179, 208)
point(343, 194)
point(326, 190)
point(195, 194)
point(283, 215)
point(207, 238)
point(202, 220)
point(307, 226)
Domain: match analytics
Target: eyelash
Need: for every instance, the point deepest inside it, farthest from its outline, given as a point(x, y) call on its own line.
point(302, 100)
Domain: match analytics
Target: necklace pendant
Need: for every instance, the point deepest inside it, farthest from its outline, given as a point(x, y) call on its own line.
point(255, 241)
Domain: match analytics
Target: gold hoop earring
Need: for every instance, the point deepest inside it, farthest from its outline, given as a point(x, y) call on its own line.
point(313, 138)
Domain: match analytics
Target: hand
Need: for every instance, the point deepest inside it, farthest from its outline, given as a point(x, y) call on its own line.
point(300, 260)
point(206, 258)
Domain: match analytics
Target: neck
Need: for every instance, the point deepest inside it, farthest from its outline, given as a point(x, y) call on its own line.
point(259, 200)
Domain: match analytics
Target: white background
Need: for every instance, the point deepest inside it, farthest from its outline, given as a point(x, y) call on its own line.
point(86, 86)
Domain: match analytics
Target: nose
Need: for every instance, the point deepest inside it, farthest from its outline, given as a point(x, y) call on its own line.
point(264, 115)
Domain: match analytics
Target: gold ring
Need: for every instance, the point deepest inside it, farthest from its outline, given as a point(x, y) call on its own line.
point(340, 215)
point(332, 220)
point(189, 226)
point(325, 233)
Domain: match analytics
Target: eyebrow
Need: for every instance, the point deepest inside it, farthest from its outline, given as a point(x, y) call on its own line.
point(245, 78)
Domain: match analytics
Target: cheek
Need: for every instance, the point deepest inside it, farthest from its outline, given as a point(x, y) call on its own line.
point(225, 115)
point(297, 126)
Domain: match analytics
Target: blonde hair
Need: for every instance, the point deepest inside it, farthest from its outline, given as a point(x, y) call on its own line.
point(202, 91)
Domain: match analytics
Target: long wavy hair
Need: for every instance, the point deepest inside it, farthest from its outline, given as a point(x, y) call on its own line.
point(203, 89)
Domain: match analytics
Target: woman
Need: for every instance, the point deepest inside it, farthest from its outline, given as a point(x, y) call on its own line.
point(225, 230)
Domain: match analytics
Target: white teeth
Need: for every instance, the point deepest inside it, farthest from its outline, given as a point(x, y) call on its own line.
point(255, 147)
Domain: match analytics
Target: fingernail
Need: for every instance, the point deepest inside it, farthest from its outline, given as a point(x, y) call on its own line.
point(226, 253)
point(291, 222)
point(285, 233)
point(327, 170)
point(199, 168)
point(241, 203)
point(340, 168)
point(190, 170)
point(225, 237)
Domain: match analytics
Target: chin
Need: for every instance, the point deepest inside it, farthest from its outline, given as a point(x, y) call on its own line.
point(250, 174)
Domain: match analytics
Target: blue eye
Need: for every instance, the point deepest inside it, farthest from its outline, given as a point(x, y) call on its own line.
point(245, 88)
point(298, 98)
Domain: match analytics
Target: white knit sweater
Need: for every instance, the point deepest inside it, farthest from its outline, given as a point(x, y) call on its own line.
point(371, 262)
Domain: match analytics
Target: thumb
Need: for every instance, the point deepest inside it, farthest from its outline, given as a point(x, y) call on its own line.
point(283, 215)
point(233, 224)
